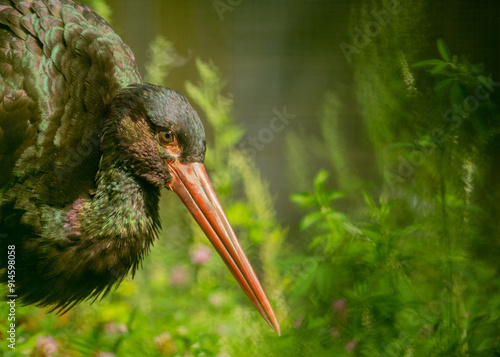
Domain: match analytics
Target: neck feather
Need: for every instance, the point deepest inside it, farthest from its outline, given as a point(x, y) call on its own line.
point(123, 206)
point(87, 248)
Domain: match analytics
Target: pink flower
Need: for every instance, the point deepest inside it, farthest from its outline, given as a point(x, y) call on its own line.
point(45, 346)
point(201, 255)
point(216, 299)
point(339, 305)
point(179, 275)
point(334, 332)
point(114, 328)
point(351, 346)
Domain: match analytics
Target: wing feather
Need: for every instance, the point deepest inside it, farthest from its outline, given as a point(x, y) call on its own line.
point(60, 67)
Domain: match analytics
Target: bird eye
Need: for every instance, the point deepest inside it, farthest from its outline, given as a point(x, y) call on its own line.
point(166, 137)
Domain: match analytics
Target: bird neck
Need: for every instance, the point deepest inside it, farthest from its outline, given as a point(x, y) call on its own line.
point(123, 205)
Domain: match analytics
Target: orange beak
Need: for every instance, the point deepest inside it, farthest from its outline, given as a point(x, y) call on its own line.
point(191, 183)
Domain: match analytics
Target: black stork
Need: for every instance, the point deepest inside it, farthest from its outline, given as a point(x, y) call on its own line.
point(85, 149)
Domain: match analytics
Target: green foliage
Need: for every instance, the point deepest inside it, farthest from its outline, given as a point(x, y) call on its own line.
point(458, 73)
point(100, 7)
point(217, 109)
point(161, 59)
point(395, 275)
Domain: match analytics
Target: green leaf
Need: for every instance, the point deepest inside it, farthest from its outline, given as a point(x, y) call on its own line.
point(447, 73)
point(338, 217)
point(444, 83)
point(351, 228)
point(443, 50)
point(368, 200)
point(333, 195)
point(310, 219)
point(439, 67)
point(320, 180)
point(304, 200)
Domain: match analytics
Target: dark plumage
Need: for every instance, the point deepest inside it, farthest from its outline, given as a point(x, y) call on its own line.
point(81, 175)
point(85, 148)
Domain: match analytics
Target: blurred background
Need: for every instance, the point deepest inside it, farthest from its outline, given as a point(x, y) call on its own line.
point(355, 146)
point(288, 54)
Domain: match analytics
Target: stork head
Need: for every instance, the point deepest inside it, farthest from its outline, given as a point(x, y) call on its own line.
point(162, 140)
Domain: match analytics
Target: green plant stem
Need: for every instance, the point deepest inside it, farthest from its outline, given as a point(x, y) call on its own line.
point(449, 262)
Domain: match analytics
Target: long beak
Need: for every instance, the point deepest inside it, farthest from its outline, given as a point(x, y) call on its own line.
point(192, 185)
